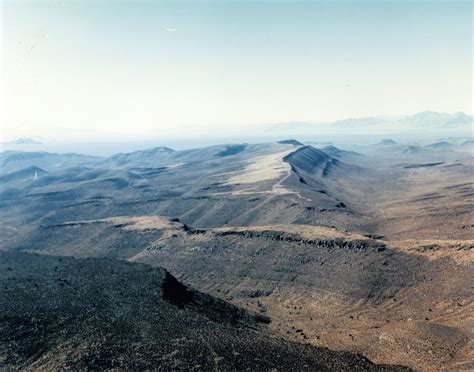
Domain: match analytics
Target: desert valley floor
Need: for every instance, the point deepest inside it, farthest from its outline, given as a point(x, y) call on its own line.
point(243, 256)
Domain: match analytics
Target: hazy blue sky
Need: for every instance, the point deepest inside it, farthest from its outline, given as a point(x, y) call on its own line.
point(136, 69)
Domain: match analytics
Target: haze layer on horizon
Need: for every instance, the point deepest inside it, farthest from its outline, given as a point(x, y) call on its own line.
point(79, 70)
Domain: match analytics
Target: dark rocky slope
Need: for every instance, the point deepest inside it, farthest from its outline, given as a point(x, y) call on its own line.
point(66, 313)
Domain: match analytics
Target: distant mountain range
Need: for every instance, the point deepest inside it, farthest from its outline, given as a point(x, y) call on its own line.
point(22, 141)
point(422, 121)
point(426, 124)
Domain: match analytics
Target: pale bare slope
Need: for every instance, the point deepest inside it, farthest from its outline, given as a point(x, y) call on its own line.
point(429, 203)
point(262, 168)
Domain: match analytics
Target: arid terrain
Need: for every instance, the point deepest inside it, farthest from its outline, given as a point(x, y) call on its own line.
point(310, 257)
point(236, 185)
point(101, 314)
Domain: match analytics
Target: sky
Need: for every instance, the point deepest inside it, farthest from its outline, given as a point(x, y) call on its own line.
point(91, 70)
